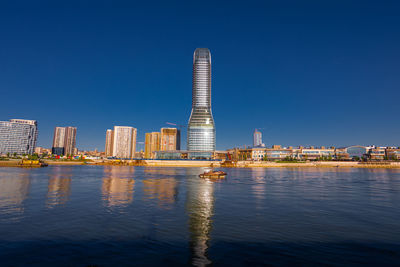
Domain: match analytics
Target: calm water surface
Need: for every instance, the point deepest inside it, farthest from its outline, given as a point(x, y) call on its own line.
point(118, 216)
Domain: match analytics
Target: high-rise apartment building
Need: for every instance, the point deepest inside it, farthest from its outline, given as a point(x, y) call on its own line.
point(257, 139)
point(64, 141)
point(201, 128)
point(18, 136)
point(109, 143)
point(151, 144)
point(124, 143)
point(170, 139)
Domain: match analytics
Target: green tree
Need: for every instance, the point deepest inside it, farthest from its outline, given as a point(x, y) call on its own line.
point(33, 157)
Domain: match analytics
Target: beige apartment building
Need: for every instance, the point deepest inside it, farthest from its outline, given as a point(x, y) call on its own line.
point(124, 142)
point(109, 143)
point(64, 141)
point(152, 144)
point(170, 139)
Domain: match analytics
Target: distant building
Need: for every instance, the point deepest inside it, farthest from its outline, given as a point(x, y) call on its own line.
point(170, 139)
point(139, 154)
point(316, 153)
point(257, 139)
point(185, 154)
point(64, 141)
point(377, 153)
point(124, 143)
point(41, 150)
point(109, 143)
point(393, 153)
point(151, 144)
point(356, 151)
point(18, 136)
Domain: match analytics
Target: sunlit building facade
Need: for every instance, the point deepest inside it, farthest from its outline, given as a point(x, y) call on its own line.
point(64, 141)
point(201, 128)
point(152, 144)
point(257, 139)
point(124, 143)
point(18, 136)
point(170, 139)
point(109, 143)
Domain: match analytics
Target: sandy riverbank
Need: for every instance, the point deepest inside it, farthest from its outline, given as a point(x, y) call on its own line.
point(200, 163)
point(56, 162)
point(16, 163)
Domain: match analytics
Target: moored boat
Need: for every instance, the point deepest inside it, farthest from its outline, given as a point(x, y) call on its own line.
point(32, 163)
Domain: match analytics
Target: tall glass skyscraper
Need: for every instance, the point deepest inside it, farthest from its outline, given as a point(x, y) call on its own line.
point(201, 128)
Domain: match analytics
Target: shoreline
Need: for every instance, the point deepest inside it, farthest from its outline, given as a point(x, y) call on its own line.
point(239, 164)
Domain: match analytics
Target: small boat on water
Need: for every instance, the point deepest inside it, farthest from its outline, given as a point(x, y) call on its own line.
point(213, 174)
point(32, 163)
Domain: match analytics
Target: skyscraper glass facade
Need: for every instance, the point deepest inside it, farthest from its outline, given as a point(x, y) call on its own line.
point(201, 128)
point(18, 136)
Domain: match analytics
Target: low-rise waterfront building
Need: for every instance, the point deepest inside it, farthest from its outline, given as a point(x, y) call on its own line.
point(316, 153)
point(377, 153)
point(393, 153)
point(40, 151)
point(279, 153)
point(342, 154)
point(186, 154)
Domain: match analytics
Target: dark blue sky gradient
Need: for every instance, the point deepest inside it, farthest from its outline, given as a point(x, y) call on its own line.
point(309, 72)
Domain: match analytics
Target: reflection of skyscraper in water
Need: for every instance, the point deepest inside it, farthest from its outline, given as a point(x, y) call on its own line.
point(165, 190)
point(199, 206)
point(14, 189)
point(58, 188)
point(118, 185)
point(258, 187)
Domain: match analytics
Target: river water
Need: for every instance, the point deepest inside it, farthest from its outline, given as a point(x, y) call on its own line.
point(119, 216)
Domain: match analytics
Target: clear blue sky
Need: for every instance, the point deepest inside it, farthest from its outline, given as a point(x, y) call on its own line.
point(308, 72)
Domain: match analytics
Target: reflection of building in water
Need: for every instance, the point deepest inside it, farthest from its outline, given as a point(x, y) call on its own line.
point(118, 185)
point(165, 190)
point(199, 206)
point(163, 171)
point(258, 177)
point(58, 189)
point(14, 189)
